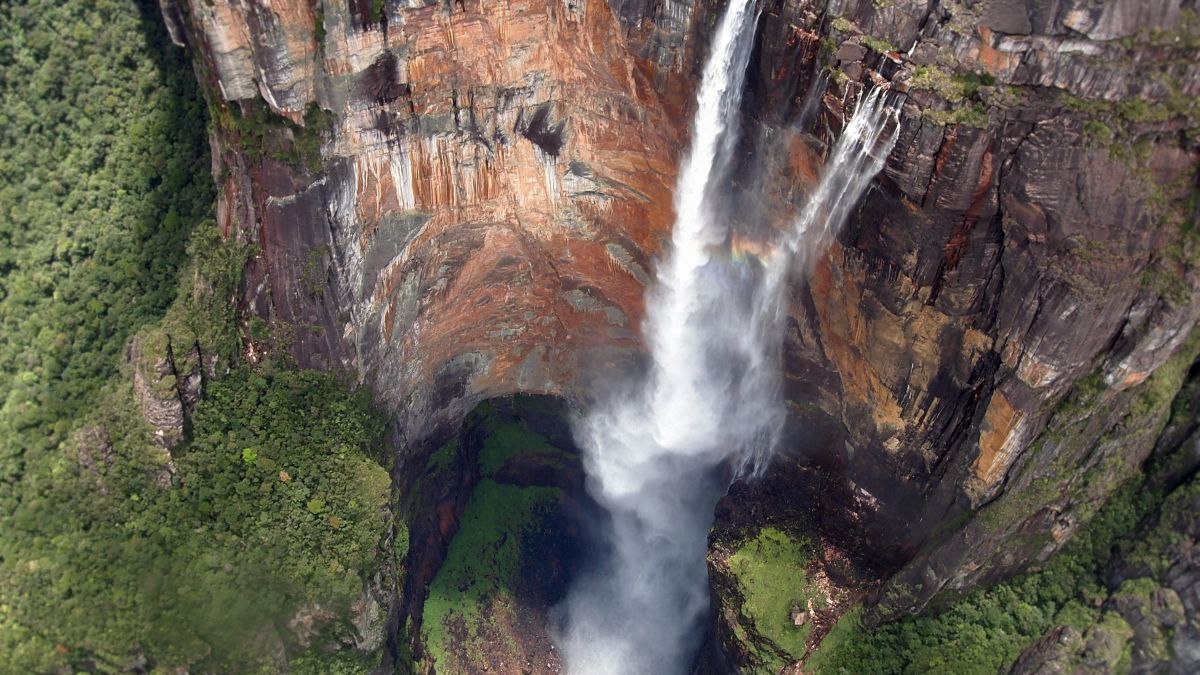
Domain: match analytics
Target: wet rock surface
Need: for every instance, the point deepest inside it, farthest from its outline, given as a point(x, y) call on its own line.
point(477, 166)
point(1011, 252)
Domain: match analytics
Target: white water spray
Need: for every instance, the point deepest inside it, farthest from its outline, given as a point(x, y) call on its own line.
point(858, 155)
point(660, 454)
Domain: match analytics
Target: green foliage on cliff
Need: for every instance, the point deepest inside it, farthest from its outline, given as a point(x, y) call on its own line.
point(116, 555)
point(771, 573)
point(481, 591)
point(311, 504)
point(101, 141)
point(478, 580)
point(973, 115)
point(955, 87)
point(196, 560)
point(1117, 124)
point(961, 90)
point(841, 24)
point(377, 11)
point(510, 440)
point(261, 133)
point(986, 630)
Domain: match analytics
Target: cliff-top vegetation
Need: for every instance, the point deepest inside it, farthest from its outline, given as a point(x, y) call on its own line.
point(119, 551)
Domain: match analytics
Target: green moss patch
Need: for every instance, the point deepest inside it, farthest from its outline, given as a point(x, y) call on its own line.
point(514, 550)
point(772, 578)
point(477, 583)
point(512, 440)
point(443, 457)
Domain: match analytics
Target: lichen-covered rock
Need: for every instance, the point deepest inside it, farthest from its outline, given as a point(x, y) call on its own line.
point(1150, 620)
point(154, 385)
point(369, 615)
point(1053, 653)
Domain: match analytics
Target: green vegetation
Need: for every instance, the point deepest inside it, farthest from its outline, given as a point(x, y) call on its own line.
point(101, 144)
point(273, 506)
point(1185, 35)
point(1147, 549)
point(843, 25)
point(1146, 414)
point(319, 30)
point(116, 554)
point(261, 133)
point(443, 458)
point(338, 663)
point(202, 317)
point(1127, 128)
point(377, 10)
point(771, 573)
point(1113, 121)
point(313, 499)
point(964, 16)
point(1158, 392)
point(876, 44)
point(959, 89)
point(477, 582)
point(954, 88)
point(984, 631)
point(973, 115)
point(474, 595)
point(510, 440)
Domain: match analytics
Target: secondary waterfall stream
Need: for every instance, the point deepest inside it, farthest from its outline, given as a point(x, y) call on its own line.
point(661, 452)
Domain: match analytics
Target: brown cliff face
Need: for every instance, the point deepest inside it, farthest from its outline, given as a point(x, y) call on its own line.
point(488, 196)
point(971, 366)
point(1025, 237)
point(979, 339)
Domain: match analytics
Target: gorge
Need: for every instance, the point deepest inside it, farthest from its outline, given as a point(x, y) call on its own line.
point(600, 336)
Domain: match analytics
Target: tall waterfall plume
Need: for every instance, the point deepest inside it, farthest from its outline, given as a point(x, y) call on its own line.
point(661, 452)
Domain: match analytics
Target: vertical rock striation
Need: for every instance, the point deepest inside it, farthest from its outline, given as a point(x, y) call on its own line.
point(454, 201)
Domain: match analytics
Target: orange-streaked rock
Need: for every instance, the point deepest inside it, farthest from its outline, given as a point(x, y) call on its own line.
point(496, 184)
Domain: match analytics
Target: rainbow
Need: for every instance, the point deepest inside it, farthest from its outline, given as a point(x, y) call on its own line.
point(743, 251)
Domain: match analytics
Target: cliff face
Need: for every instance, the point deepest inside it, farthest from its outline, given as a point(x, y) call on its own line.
point(1030, 238)
point(490, 188)
point(462, 200)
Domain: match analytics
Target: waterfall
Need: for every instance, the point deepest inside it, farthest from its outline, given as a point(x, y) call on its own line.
point(661, 452)
point(858, 155)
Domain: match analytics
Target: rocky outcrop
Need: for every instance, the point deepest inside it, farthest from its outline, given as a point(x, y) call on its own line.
point(1151, 607)
point(460, 200)
point(154, 386)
